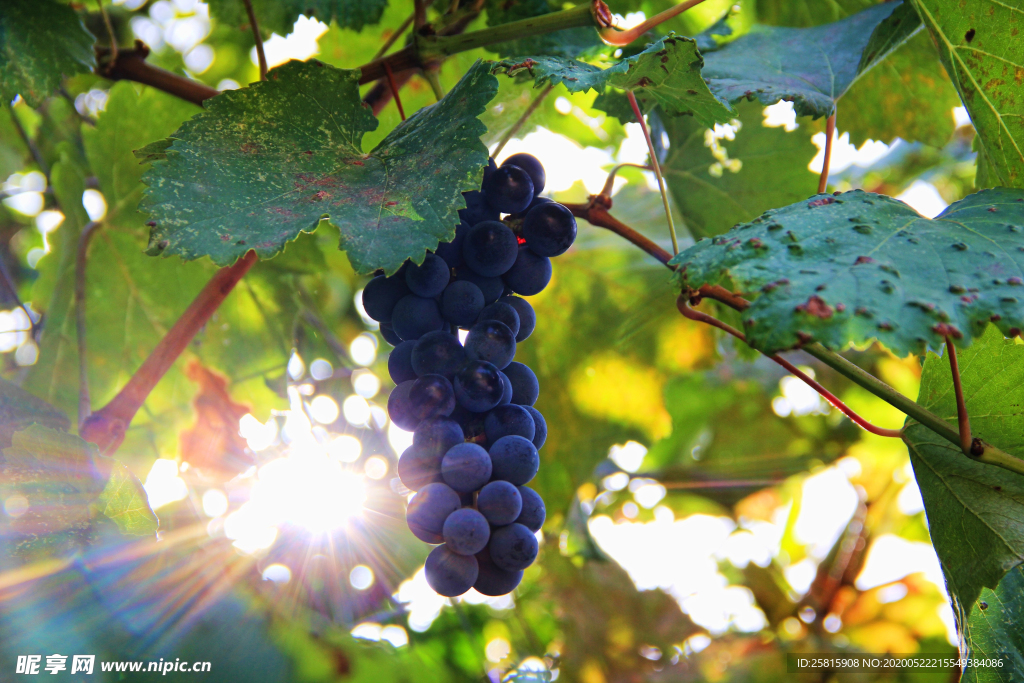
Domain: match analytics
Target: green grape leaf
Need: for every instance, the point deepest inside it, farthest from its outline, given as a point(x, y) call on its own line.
point(985, 59)
point(279, 16)
point(974, 510)
point(996, 628)
point(667, 73)
point(566, 43)
point(126, 503)
point(40, 42)
point(862, 266)
point(264, 163)
point(65, 457)
point(19, 409)
point(717, 186)
point(812, 67)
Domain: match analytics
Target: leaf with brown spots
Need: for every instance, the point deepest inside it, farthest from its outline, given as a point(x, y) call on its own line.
point(862, 266)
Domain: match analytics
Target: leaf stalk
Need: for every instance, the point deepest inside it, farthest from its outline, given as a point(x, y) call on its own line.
point(657, 169)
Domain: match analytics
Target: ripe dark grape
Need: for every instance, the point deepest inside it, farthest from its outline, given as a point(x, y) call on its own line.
point(525, 388)
point(506, 389)
point(466, 467)
point(509, 189)
point(400, 409)
point(428, 510)
point(451, 252)
point(513, 547)
point(462, 303)
point(533, 168)
point(472, 423)
point(477, 209)
point(419, 466)
point(527, 317)
point(400, 363)
point(389, 334)
point(500, 502)
point(436, 436)
point(502, 312)
point(429, 279)
point(381, 294)
point(450, 574)
point(431, 396)
point(509, 420)
point(513, 459)
point(533, 512)
point(466, 532)
point(549, 229)
point(490, 248)
point(414, 316)
point(490, 287)
point(491, 341)
point(530, 274)
point(478, 387)
point(437, 353)
point(541, 426)
point(493, 580)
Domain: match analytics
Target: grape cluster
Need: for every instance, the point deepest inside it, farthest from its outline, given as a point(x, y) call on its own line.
point(469, 405)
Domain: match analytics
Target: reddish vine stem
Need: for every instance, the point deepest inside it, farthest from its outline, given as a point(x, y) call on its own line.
point(260, 55)
point(131, 65)
point(830, 132)
point(394, 90)
point(596, 213)
point(420, 13)
point(81, 260)
point(963, 420)
point(684, 308)
point(614, 36)
point(106, 427)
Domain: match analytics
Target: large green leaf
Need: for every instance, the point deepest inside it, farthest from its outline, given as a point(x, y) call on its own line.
point(567, 43)
point(279, 16)
point(996, 629)
point(718, 185)
point(975, 511)
point(40, 42)
point(264, 163)
point(19, 409)
point(860, 266)
point(983, 54)
point(125, 502)
point(668, 73)
point(812, 67)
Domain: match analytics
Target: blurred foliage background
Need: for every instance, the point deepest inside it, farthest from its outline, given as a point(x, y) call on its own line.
point(707, 513)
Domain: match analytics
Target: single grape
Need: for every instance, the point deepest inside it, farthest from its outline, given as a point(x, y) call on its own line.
point(490, 287)
point(530, 274)
point(491, 341)
point(451, 252)
point(477, 209)
point(461, 303)
point(429, 279)
point(525, 388)
point(506, 389)
point(400, 363)
point(541, 425)
point(400, 409)
point(466, 467)
point(414, 316)
point(381, 294)
point(500, 502)
point(436, 436)
point(494, 581)
point(533, 168)
point(513, 547)
point(527, 316)
point(472, 424)
point(478, 386)
point(431, 396)
point(418, 467)
point(549, 229)
point(389, 334)
point(437, 353)
point(509, 189)
point(534, 512)
point(428, 509)
point(466, 532)
point(508, 420)
point(503, 313)
point(537, 201)
point(490, 248)
point(491, 167)
point(513, 459)
point(450, 574)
